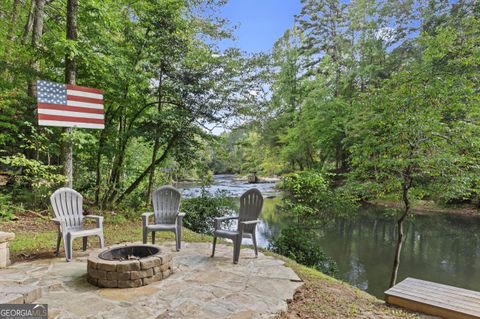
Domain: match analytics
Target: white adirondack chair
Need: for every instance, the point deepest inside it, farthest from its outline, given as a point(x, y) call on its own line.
point(251, 203)
point(67, 205)
point(166, 202)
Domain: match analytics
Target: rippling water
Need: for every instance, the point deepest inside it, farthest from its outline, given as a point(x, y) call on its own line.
point(227, 183)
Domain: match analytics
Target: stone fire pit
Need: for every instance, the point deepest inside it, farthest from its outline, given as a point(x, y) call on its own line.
point(128, 266)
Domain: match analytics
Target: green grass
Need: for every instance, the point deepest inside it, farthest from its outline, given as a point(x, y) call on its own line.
point(41, 242)
point(28, 243)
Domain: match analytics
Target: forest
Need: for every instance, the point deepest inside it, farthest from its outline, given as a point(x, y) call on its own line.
point(165, 81)
point(358, 100)
point(381, 96)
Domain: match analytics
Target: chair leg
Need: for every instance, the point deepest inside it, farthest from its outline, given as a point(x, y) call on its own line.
point(214, 244)
point(179, 229)
point(102, 240)
point(85, 243)
point(236, 249)
point(145, 236)
point(59, 238)
point(153, 238)
point(254, 240)
point(177, 239)
point(69, 247)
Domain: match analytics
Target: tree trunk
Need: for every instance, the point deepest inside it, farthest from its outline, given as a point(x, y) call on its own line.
point(400, 223)
point(337, 157)
point(29, 24)
point(98, 179)
point(13, 21)
point(139, 179)
point(113, 181)
point(37, 32)
point(151, 177)
point(116, 171)
point(156, 146)
point(72, 8)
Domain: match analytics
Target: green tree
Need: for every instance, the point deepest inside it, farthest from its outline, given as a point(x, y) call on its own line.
point(419, 130)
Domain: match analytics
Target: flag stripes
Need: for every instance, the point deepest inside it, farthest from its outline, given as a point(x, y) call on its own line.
point(84, 99)
point(85, 94)
point(69, 119)
point(48, 106)
point(69, 105)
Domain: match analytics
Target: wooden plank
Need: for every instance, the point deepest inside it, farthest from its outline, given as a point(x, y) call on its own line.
point(442, 287)
point(408, 282)
point(440, 293)
point(444, 292)
point(435, 299)
point(425, 298)
point(472, 301)
point(428, 309)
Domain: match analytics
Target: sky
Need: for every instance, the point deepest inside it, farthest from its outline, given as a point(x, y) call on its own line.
point(260, 22)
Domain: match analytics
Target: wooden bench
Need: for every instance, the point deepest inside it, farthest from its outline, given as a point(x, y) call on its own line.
point(435, 299)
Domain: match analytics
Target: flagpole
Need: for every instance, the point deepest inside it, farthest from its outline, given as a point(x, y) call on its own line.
point(70, 73)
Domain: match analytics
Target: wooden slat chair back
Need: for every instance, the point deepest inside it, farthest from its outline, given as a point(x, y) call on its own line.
point(67, 205)
point(166, 204)
point(251, 203)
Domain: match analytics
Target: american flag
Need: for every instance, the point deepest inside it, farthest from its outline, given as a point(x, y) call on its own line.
point(68, 105)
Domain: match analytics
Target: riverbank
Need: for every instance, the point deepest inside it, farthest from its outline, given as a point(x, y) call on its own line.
point(320, 296)
point(429, 207)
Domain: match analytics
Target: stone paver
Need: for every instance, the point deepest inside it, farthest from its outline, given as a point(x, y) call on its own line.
point(19, 294)
point(200, 287)
point(4, 250)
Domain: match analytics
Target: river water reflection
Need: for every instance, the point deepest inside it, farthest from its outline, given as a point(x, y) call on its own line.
point(442, 248)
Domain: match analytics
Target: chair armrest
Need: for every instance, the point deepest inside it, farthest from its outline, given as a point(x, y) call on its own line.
point(248, 222)
point(218, 220)
point(61, 225)
point(145, 217)
point(180, 220)
point(224, 218)
point(98, 219)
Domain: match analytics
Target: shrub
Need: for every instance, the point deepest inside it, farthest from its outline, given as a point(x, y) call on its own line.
point(202, 210)
point(33, 181)
point(298, 244)
point(7, 211)
point(310, 199)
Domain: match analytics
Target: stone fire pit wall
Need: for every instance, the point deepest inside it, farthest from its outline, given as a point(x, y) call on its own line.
point(128, 273)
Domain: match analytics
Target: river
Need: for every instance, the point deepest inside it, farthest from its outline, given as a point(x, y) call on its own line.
point(443, 248)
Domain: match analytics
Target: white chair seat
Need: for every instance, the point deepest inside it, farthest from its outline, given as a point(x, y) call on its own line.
point(84, 232)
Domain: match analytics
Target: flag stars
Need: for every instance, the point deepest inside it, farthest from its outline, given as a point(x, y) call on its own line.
point(52, 93)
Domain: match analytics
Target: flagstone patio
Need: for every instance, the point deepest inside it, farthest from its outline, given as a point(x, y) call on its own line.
point(200, 287)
